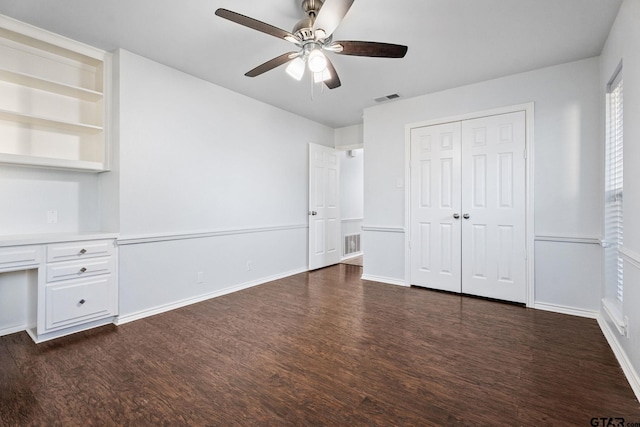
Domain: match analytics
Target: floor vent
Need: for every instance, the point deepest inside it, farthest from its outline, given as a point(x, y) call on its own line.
point(351, 244)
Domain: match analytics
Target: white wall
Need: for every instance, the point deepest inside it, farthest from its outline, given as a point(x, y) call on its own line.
point(568, 164)
point(26, 194)
point(349, 137)
point(351, 192)
point(197, 158)
point(624, 44)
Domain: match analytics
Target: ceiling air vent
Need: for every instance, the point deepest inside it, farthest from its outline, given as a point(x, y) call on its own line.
point(387, 98)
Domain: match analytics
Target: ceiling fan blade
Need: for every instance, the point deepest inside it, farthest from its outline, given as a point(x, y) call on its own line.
point(331, 14)
point(375, 49)
point(257, 25)
point(334, 81)
point(271, 64)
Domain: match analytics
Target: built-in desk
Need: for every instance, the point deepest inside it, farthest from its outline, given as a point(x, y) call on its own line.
point(71, 282)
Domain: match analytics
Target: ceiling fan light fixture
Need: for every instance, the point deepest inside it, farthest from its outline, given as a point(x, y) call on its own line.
point(317, 61)
point(296, 68)
point(322, 76)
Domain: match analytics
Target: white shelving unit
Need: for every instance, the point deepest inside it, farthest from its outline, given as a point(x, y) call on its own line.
point(54, 101)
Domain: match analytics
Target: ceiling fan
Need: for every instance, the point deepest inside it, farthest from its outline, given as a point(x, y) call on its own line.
point(312, 36)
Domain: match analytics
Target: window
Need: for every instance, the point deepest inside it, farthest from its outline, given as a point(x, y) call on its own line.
point(613, 203)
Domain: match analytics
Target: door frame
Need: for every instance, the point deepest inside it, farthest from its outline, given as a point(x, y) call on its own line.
point(528, 109)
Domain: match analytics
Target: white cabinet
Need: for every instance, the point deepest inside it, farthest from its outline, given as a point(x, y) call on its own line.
point(74, 284)
point(17, 258)
point(53, 100)
point(78, 286)
point(74, 302)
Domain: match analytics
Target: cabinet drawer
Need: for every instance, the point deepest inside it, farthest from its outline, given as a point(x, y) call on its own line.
point(19, 256)
point(79, 301)
point(79, 250)
point(78, 269)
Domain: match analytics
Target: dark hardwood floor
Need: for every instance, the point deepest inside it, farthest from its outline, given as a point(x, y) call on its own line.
point(321, 349)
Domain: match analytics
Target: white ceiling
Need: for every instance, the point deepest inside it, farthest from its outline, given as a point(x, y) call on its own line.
point(451, 43)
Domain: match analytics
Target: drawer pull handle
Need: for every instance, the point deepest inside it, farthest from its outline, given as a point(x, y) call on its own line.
point(82, 301)
point(83, 269)
point(83, 251)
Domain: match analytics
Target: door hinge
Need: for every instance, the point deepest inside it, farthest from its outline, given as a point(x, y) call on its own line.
point(525, 153)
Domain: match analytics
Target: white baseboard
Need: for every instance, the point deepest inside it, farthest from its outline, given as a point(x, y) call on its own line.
point(12, 330)
point(121, 320)
point(350, 256)
point(566, 310)
point(384, 280)
point(621, 355)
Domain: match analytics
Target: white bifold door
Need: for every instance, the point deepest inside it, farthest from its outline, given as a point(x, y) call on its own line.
point(468, 196)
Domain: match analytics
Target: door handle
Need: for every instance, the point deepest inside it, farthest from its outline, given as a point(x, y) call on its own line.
point(466, 216)
point(313, 213)
point(456, 216)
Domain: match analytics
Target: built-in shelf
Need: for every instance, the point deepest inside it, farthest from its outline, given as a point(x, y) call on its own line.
point(49, 162)
point(50, 86)
point(49, 123)
point(54, 104)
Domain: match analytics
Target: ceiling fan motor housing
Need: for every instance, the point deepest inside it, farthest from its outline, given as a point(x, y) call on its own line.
point(304, 27)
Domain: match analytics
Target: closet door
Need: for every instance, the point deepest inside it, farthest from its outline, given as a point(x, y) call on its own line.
point(493, 207)
point(435, 207)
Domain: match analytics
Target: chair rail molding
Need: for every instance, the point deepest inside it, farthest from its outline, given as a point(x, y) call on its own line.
point(163, 237)
point(383, 229)
point(589, 240)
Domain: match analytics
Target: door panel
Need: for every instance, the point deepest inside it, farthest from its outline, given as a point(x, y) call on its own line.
point(473, 169)
point(435, 198)
point(324, 209)
point(493, 173)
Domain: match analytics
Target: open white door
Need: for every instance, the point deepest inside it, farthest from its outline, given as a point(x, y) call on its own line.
point(324, 209)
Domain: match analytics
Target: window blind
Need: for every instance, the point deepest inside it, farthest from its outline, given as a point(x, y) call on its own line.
point(614, 191)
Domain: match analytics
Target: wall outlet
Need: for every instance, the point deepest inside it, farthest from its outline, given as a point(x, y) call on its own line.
point(200, 277)
point(52, 217)
point(249, 266)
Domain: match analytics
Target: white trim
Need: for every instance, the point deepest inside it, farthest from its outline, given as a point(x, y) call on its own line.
point(121, 320)
point(383, 229)
point(163, 237)
point(473, 115)
point(50, 38)
point(39, 338)
point(385, 280)
point(529, 200)
point(349, 147)
point(627, 367)
point(352, 219)
point(562, 309)
point(630, 256)
point(43, 239)
point(528, 108)
point(353, 255)
point(612, 310)
point(12, 330)
point(570, 239)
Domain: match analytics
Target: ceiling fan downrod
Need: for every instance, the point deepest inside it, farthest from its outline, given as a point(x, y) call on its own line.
point(304, 28)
